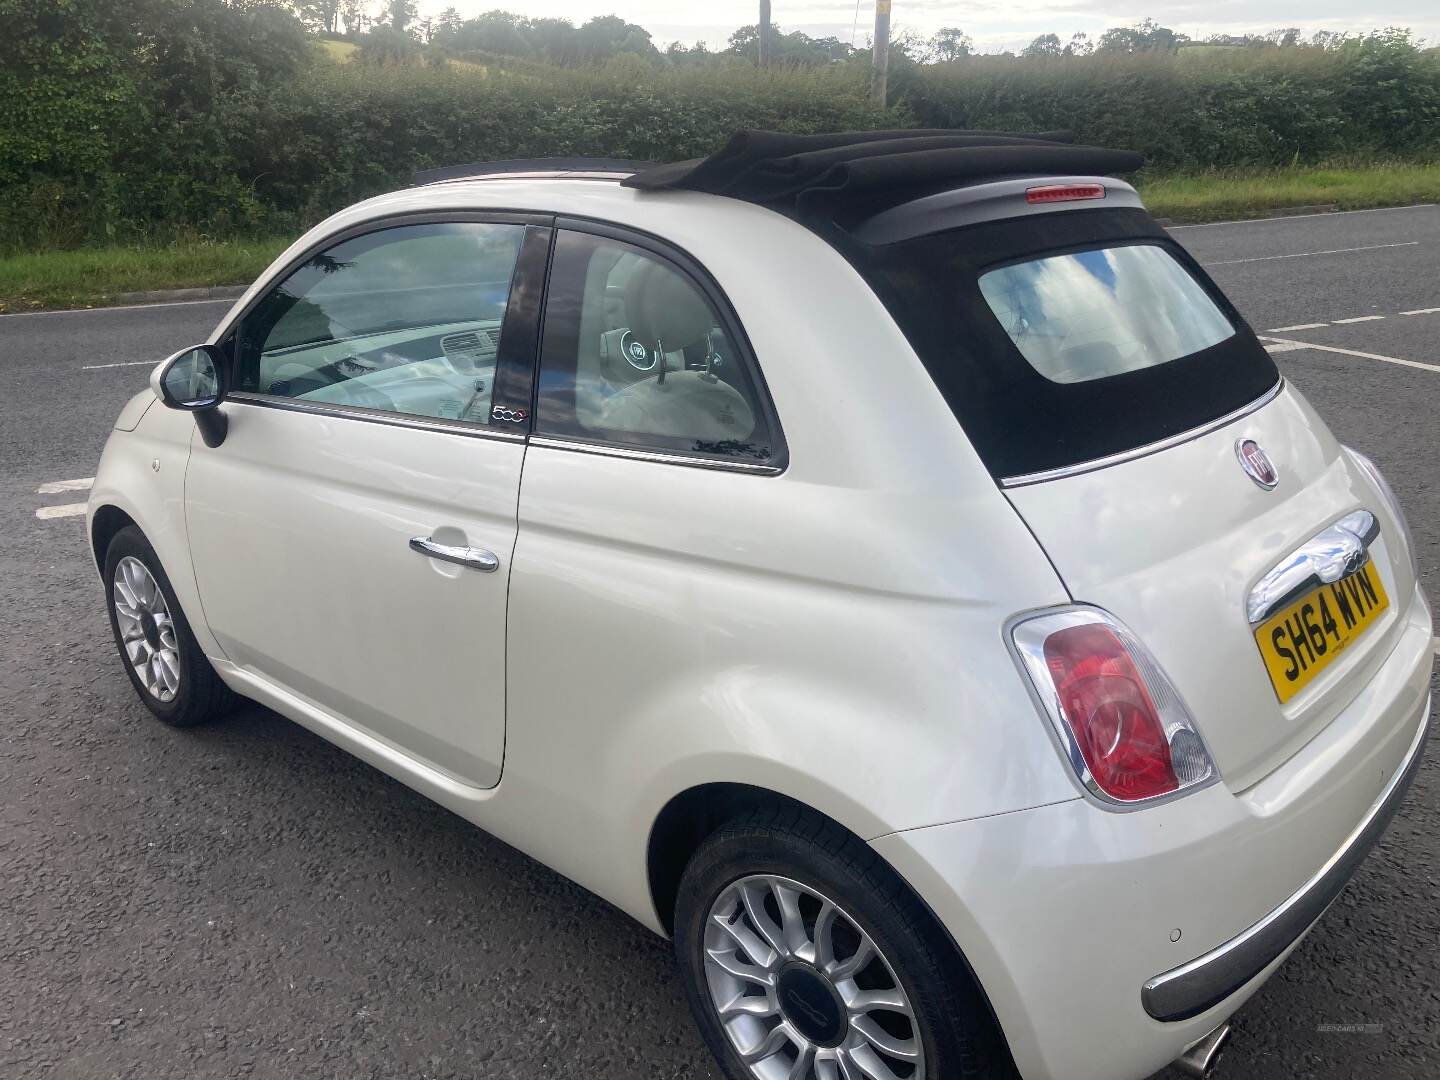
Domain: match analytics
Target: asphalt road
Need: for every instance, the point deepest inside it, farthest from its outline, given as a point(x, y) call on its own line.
point(249, 901)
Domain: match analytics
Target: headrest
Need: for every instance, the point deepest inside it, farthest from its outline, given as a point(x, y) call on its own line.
point(662, 306)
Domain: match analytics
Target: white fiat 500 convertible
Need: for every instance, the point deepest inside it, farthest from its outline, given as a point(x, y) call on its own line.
point(886, 564)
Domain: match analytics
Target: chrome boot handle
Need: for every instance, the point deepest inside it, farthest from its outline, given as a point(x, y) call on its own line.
point(476, 558)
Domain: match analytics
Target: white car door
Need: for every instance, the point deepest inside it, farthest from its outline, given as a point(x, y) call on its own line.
point(352, 533)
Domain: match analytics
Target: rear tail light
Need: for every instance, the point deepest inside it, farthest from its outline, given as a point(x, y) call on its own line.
point(1049, 193)
point(1124, 728)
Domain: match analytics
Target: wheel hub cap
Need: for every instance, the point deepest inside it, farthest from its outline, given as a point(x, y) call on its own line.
point(811, 1004)
point(147, 633)
point(802, 992)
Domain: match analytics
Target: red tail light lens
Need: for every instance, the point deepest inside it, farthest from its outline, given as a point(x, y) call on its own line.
point(1125, 729)
point(1049, 193)
point(1110, 713)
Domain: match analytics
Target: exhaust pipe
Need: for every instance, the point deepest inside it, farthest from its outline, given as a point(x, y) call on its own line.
point(1200, 1060)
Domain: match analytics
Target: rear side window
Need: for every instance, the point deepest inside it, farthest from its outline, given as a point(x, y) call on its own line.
point(637, 356)
point(1092, 314)
point(1062, 338)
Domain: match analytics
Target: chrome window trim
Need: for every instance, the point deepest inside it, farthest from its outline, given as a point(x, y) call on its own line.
point(373, 416)
point(613, 450)
point(1096, 464)
point(1206, 981)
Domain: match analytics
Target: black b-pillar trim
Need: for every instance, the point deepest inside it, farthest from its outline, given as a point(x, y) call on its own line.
point(519, 350)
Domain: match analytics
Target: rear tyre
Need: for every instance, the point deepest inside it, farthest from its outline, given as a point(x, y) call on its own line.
point(164, 661)
point(805, 957)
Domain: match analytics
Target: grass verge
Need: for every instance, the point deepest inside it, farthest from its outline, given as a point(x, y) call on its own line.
point(92, 277)
point(1230, 194)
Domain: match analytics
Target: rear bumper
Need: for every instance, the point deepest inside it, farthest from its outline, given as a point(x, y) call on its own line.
point(1067, 912)
point(1206, 981)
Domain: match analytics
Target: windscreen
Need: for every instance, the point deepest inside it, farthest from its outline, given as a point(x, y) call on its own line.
point(1062, 338)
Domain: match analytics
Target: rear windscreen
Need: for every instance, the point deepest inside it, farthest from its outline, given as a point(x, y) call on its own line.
point(1092, 314)
point(1061, 338)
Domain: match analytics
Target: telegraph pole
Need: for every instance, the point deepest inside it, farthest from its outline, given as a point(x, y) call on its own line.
point(764, 33)
point(880, 56)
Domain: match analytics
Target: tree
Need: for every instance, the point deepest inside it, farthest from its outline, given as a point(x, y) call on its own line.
point(1328, 39)
point(950, 43)
point(498, 32)
point(1080, 45)
point(1044, 45)
point(1289, 36)
point(680, 54)
point(386, 45)
point(356, 16)
point(319, 16)
point(795, 49)
point(555, 40)
point(1145, 36)
point(448, 22)
point(609, 35)
point(401, 13)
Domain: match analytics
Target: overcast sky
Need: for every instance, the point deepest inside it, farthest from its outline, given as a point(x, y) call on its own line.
point(995, 24)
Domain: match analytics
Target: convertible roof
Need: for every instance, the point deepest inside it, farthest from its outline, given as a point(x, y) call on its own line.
point(851, 175)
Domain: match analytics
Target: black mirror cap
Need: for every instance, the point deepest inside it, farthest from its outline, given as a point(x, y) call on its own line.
point(194, 379)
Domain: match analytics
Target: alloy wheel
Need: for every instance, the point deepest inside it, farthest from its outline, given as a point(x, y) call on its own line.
point(147, 631)
point(802, 992)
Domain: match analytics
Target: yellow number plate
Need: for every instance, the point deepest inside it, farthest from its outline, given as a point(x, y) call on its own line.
point(1298, 641)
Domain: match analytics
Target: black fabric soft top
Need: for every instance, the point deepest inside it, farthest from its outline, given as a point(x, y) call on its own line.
point(874, 169)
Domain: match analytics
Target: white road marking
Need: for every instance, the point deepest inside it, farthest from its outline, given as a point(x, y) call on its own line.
point(1283, 346)
point(54, 487)
point(1358, 318)
point(1356, 352)
point(1297, 326)
point(45, 513)
point(127, 363)
point(1302, 217)
point(117, 307)
point(1422, 311)
point(1307, 254)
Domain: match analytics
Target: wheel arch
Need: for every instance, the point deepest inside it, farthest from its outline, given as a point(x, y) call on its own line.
point(691, 815)
point(107, 520)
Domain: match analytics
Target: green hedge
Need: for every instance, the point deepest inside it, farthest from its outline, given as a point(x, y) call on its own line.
point(343, 131)
point(227, 121)
point(1377, 97)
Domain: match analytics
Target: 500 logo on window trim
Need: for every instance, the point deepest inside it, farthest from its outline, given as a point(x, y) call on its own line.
point(515, 416)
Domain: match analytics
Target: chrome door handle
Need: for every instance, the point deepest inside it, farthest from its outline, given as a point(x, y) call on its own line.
point(476, 558)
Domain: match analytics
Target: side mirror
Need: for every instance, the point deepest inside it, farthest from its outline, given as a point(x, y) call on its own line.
point(194, 380)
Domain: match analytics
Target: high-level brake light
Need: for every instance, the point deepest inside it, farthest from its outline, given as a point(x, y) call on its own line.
point(1051, 193)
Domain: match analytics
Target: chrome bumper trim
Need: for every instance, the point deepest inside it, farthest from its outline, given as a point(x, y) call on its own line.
point(1204, 982)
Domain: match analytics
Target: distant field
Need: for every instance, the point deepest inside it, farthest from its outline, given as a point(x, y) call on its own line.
point(341, 51)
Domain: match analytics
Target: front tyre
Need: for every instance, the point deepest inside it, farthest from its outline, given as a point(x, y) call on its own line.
point(805, 957)
point(164, 661)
